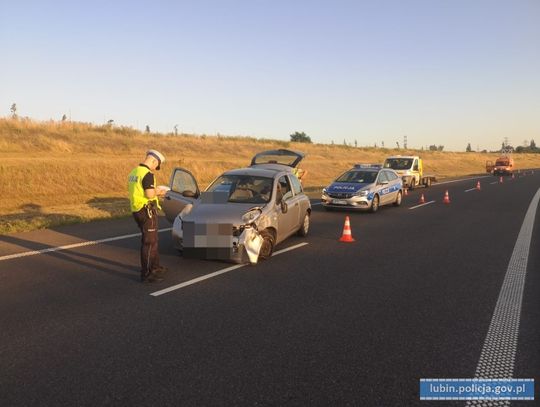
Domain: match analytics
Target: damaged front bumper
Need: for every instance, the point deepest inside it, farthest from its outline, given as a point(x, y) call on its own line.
point(232, 244)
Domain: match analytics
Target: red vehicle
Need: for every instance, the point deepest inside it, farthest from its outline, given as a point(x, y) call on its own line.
point(504, 165)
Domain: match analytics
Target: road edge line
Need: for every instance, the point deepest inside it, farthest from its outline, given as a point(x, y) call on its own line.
point(500, 345)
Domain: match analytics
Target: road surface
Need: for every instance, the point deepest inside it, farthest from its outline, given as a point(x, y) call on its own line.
point(325, 323)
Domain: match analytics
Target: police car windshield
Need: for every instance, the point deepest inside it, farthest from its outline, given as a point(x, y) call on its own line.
point(243, 188)
point(398, 163)
point(358, 177)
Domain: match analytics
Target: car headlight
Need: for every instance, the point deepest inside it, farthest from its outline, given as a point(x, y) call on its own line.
point(364, 192)
point(251, 216)
point(324, 191)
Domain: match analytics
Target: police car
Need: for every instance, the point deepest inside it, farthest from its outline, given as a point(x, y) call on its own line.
point(364, 187)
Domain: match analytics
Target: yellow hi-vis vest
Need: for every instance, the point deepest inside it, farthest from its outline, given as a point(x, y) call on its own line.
point(137, 199)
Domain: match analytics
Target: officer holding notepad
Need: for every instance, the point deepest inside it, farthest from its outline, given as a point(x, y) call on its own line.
point(144, 203)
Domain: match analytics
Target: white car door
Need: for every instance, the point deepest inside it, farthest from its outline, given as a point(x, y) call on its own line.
point(184, 191)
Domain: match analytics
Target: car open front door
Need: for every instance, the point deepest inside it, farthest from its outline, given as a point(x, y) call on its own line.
point(184, 191)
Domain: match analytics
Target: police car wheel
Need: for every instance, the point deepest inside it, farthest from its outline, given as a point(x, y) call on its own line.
point(375, 204)
point(267, 247)
point(304, 228)
point(398, 199)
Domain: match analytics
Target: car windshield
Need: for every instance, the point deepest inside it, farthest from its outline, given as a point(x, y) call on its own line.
point(359, 177)
point(244, 188)
point(398, 163)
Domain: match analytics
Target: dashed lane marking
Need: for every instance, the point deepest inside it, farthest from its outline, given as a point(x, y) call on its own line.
point(469, 190)
point(217, 273)
point(462, 179)
point(424, 204)
point(500, 346)
point(72, 246)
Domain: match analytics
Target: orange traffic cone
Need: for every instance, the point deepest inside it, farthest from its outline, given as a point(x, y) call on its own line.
point(422, 199)
point(513, 176)
point(347, 235)
point(500, 180)
point(446, 198)
point(405, 191)
point(478, 188)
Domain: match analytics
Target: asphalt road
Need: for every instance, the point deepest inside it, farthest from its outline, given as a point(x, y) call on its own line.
point(327, 323)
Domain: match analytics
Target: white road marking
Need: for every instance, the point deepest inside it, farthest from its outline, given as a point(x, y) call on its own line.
point(419, 206)
point(73, 246)
point(462, 179)
point(500, 346)
point(492, 183)
point(217, 273)
point(469, 190)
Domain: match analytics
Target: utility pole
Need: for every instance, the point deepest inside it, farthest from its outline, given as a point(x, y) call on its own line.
point(405, 141)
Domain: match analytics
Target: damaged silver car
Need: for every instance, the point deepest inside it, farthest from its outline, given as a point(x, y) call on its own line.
point(243, 214)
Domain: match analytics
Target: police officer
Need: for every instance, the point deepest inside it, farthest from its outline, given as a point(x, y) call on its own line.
point(143, 198)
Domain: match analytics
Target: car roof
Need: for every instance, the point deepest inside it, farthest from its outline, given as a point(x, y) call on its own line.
point(256, 172)
point(367, 169)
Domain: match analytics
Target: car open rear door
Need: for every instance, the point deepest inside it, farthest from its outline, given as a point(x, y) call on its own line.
point(184, 191)
point(281, 156)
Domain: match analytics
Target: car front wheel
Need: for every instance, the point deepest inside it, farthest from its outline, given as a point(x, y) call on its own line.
point(267, 247)
point(375, 204)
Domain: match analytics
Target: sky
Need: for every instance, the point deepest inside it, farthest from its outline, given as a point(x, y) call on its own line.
point(443, 72)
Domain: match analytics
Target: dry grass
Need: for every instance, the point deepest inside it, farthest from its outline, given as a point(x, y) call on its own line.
point(54, 173)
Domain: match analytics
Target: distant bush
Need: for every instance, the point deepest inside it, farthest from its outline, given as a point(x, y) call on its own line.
point(300, 137)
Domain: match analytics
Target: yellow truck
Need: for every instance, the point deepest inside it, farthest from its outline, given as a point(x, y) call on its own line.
point(411, 170)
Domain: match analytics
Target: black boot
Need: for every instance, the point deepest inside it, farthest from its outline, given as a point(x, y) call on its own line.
point(151, 278)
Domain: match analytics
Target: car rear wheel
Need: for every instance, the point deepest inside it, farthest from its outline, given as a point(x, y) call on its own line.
point(375, 204)
point(412, 184)
point(428, 182)
point(267, 247)
point(398, 199)
point(304, 229)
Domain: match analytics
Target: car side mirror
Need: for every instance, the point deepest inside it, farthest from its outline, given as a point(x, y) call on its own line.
point(383, 183)
point(284, 206)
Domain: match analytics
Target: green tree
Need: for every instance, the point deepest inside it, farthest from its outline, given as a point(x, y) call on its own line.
point(468, 149)
point(13, 110)
point(532, 146)
point(300, 137)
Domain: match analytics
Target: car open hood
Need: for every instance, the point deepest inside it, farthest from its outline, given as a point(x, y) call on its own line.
point(284, 157)
point(219, 213)
point(346, 187)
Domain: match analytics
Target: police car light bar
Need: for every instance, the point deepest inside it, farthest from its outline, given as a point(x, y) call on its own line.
point(367, 165)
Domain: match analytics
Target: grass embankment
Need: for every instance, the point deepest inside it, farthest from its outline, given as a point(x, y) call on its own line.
point(53, 173)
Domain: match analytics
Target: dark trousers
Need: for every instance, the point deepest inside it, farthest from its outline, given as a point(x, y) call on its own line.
point(147, 220)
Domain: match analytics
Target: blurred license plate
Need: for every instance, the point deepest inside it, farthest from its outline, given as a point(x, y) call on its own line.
point(339, 201)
